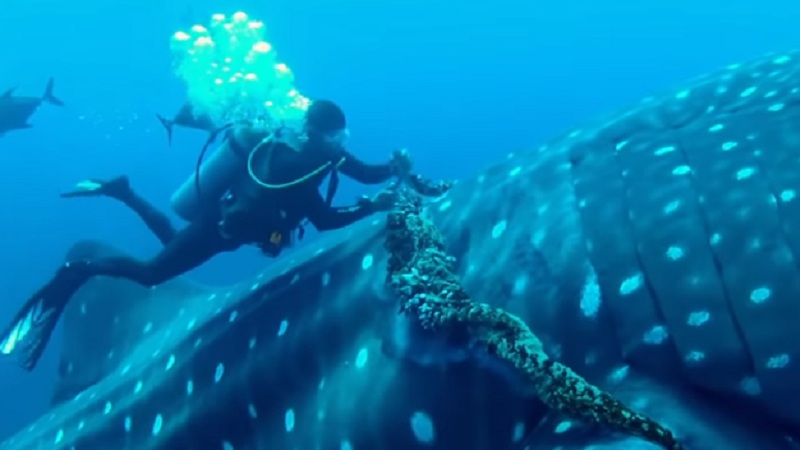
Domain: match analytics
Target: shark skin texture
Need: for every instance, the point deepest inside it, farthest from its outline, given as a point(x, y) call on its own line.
point(654, 251)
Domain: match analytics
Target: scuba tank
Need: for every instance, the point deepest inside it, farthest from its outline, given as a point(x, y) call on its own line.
point(215, 175)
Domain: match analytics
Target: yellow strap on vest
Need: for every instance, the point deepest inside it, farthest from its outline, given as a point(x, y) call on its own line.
point(268, 141)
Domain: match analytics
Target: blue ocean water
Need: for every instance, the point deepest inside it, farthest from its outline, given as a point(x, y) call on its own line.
point(459, 83)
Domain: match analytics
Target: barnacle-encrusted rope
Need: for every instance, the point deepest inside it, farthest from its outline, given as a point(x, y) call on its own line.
point(421, 274)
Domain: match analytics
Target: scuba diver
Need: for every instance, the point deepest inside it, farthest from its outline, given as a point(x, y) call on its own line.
point(266, 208)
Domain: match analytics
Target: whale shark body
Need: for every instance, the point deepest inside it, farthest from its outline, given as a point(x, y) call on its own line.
point(655, 251)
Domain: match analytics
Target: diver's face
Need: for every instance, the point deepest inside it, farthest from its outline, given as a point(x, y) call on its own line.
point(336, 138)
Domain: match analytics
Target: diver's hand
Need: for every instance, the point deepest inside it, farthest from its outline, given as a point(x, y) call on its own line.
point(401, 163)
point(382, 201)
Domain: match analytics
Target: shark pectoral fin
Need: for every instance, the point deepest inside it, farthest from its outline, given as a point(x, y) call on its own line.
point(109, 317)
point(7, 94)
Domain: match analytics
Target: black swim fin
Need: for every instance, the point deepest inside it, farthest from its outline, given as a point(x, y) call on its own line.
point(28, 334)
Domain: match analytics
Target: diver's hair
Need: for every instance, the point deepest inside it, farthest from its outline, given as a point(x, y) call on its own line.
point(325, 116)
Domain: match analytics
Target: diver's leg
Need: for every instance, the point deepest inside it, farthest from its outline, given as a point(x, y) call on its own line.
point(119, 188)
point(30, 330)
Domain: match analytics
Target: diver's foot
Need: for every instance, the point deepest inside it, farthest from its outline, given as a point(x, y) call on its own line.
point(114, 188)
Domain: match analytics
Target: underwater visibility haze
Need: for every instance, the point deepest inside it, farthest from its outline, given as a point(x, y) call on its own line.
point(613, 266)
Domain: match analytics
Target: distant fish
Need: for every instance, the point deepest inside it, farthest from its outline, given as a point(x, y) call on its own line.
point(15, 111)
point(186, 117)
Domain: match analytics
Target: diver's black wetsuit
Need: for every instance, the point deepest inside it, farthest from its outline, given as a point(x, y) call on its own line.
point(249, 214)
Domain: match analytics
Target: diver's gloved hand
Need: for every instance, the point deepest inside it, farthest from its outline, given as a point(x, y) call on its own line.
point(401, 163)
point(92, 187)
point(382, 201)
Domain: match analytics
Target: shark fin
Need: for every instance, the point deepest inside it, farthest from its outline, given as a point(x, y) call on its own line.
point(49, 97)
point(7, 94)
point(107, 318)
point(167, 124)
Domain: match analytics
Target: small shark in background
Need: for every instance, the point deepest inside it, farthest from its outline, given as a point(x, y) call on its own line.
point(15, 111)
point(186, 117)
point(655, 251)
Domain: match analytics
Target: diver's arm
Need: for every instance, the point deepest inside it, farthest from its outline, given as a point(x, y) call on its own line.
point(366, 173)
point(325, 217)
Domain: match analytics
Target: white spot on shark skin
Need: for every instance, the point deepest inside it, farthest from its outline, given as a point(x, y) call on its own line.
point(138, 387)
point(191, 324)
point(698, 318)
point(251, 411)
point(788, 195)
point(83, 309)
point(346, 445)
point(107, 408)
point(445, 205)
point(147, 327)
point(776, 107)
point(189, 387)
point(519, 432)
point(672, 206)
point(779, 361)
point(656, 335)
point(227, 445)
point(499, 229)
point(515, 171)
point(781, 60)
point(770, 94)
point(621, 145)
point(59, 436)
point(664, 150)
point(361, 358)
point(211, 297)
point(254, 287)
point(219, 372)
point(233, 316)
point(716, 128)
point(675, 253)
point(198, 342)
point(288, 420)
point(681, 170)
point(750, 386)
point(295, 279)
point(715, 239)
point(748, 92)
point(157, 424)
point(563, 427)
point(619, 374)
point(591, 297)
point(252, 343)
point(321, 384)
point(284, 325)
point(125, 369)
point(128, 424)
point(683, 94)
point(760, 295)
point(81, 424)
point(422, 427)
point(326, 278)
point(170, 362)
point(520, 283)
point(745, 173)
point(631, 284)
point(695, 356)
point(366, 263)
point(728, 146)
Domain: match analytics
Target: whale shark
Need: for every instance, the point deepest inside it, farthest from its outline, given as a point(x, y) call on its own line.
point(654, 251)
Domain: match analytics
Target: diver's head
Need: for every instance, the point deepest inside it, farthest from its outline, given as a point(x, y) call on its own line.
point(325, 121)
